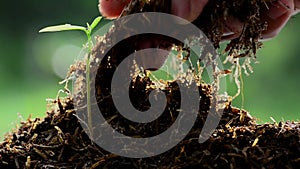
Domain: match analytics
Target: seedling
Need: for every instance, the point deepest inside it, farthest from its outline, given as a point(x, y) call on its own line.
point(88, 31)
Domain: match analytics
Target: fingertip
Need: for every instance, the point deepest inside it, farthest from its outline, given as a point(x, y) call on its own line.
point(112, 9)
point(274, 27)
point(276, 17)
point(188, 9)
point(297, 7)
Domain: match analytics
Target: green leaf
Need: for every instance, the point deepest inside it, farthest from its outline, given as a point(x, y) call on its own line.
point(95, 22)
point(160, 74)
point(65, 27)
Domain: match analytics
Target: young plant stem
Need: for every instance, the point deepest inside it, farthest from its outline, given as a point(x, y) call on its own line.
point(88, 87)
point(88, 31)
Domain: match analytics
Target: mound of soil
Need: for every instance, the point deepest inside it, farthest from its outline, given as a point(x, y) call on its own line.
point(60, 141)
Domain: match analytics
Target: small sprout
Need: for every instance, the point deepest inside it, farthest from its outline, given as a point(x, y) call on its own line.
point(88, 31)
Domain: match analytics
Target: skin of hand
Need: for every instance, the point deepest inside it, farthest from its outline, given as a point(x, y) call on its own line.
point(276, 15)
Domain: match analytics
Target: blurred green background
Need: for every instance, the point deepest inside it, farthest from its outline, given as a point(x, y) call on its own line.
point(32, 64)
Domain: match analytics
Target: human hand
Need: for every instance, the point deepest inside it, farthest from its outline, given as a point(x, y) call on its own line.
point(276, 14)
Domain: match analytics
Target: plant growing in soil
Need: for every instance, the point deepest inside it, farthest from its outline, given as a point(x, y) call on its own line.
point(89, 45)
point(58, 141)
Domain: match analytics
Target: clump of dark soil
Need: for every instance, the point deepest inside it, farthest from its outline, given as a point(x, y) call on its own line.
point(60, 140)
